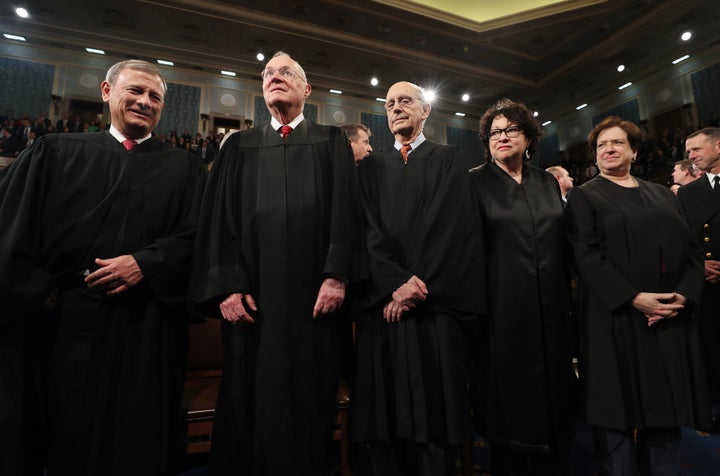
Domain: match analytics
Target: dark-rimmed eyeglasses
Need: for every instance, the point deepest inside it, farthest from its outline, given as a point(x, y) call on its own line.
point(511, 132)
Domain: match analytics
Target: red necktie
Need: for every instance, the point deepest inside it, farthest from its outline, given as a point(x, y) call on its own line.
point(285, 131)
point(404, 151)
point(129, 144)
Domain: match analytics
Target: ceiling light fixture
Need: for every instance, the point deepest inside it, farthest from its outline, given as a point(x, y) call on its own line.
point(430, 95)
point(546, 123)
point(22, 12)
point(336, 91)
point(165, 62)
point(581, 106)
point(228, 73)
point(382, 100)
point(626, 85)
point(621, 68)
point(686, 36)
point(13, 37)
point(460, 114)
point(374, 81)
point(95, 50)
point(465, 97)
point(260, 57)
point(536, 114)
point(681, 59)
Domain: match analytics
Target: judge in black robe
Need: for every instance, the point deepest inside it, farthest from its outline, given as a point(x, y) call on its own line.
point(410, 400)
point(116, 355)
point(640, 277)
point(280, 220)
point(525, 404)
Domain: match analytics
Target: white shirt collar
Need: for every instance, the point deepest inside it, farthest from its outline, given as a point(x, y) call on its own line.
point(275, 124)
point(120, 138)
point(413, 145)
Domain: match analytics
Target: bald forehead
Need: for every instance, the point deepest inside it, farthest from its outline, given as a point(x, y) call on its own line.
point(404, 88)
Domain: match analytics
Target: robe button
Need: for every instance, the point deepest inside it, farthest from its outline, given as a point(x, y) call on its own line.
point(707, 238)
point(706, 226)
point(708, 255)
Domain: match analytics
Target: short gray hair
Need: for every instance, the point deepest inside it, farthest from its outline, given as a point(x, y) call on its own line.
point(138, 65)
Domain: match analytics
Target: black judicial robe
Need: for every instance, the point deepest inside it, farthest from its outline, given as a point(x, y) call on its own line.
point(116, 363)
point(411, 375)
point(277, 218)
point(526, 378)
point(628, 240)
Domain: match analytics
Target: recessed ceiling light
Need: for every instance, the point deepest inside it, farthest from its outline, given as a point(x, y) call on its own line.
point(581, 106)
point(166, 63)
point(621, 68)
point(430, 95)
point(260, 57)
point(228, 73)
point(686, 36)
point(22, 12)
point(13, 37)
point(336, 91)
point(380, 99)
point(460, 114)
point(466, 97)
point(546, 123)
point(681, 59)
point(626, 85)
point(95, 50)
point(536, 114)
point(374, 81)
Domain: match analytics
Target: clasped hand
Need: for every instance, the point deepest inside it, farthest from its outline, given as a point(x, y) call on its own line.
point(658, 306)
point(404, 298)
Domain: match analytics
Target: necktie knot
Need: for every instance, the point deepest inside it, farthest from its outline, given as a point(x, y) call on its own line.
point(285, 131)
point(716, 183)
point(404, 151)
point(129, 144)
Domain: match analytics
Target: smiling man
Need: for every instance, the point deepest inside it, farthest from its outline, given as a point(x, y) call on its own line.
point(95, 258)
point(410, 402)
point(277, 241)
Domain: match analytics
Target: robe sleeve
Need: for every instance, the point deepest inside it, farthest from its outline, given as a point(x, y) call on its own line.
point(25, 285)
point(345, 258)
point(218, 267)
point(166, 263)
point(590, 256)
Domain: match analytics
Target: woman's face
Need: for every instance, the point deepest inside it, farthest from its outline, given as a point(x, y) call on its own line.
point(613, 152)
point(504, 148)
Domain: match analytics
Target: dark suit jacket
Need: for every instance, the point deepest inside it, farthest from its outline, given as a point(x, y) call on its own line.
point(701, 205)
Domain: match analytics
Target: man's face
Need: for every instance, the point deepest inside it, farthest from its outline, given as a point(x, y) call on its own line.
point(566, 182)
point(679, 175)
point(406, 111)
point(135, 102)
point(361, 146)
point(704, 152)
point(283, 88)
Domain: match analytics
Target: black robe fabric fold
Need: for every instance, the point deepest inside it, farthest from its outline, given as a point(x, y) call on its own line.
point(116, 363)
point(277, 218)
point(411, 375)
point(525, 385)
point(626, 241)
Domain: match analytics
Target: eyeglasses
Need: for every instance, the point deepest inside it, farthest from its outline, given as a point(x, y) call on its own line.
point(511, 132)
point(285, 72)
point(402, 101)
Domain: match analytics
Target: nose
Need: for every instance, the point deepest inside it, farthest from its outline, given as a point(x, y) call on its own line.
point(369, 148)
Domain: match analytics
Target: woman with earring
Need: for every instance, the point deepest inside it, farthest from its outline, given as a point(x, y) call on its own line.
point(523, 391)
point(640, 275)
